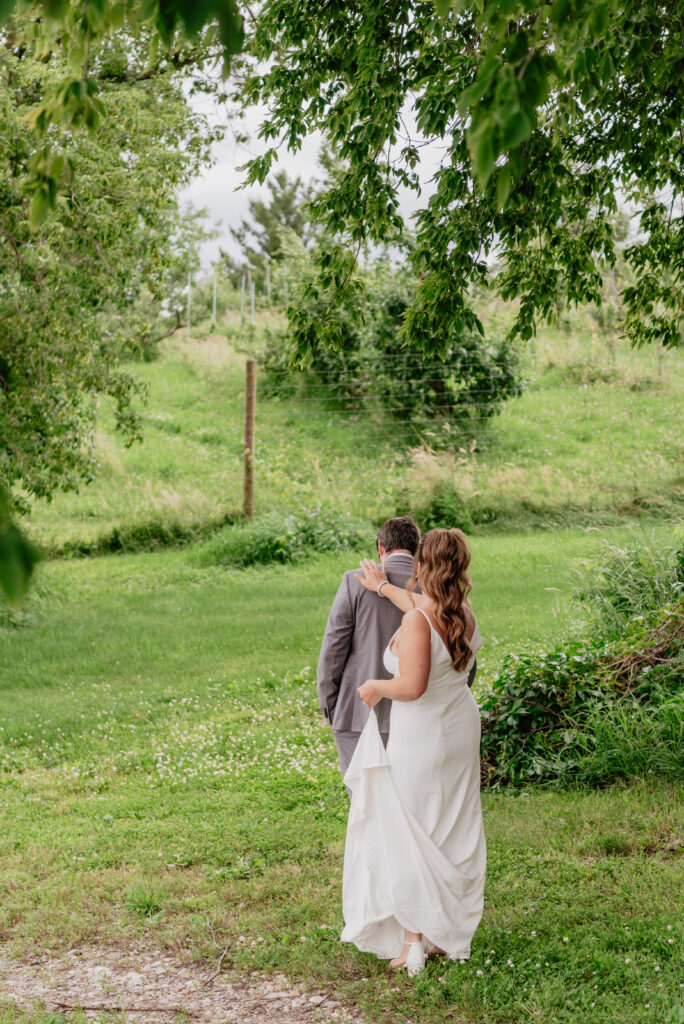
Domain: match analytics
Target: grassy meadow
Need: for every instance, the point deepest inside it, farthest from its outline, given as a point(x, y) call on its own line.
point(164, 774)
point(596, 437)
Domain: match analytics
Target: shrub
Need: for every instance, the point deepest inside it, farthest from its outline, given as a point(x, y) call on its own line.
point(284, 538)
point(373, 368)
point(441, 507)
point(146, 535)
point(605, 706)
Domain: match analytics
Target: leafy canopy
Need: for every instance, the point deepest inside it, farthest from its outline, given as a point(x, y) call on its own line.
point(67, 289)
point(85, 42)
point(549, 116)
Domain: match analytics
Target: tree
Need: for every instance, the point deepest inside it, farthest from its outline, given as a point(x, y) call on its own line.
point(68, 285)
point(158, 305)
point(372, 370)
point(549, 115)
point(260, 238)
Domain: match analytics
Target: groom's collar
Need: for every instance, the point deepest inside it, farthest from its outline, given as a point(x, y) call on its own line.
point(399, 554)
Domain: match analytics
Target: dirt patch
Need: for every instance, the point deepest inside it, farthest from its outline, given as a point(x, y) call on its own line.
point(143, 985)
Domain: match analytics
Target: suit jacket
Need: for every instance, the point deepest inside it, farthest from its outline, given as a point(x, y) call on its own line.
point(360, 626)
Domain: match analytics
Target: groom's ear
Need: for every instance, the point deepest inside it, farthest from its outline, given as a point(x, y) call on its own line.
point(381, 549)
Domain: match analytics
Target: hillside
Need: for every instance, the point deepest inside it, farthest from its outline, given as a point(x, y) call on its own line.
point(595, 438)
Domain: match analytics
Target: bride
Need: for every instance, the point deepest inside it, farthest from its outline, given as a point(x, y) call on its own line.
point(414, 863)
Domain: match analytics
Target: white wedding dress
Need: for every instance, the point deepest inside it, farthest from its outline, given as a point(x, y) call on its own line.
point(415, 853)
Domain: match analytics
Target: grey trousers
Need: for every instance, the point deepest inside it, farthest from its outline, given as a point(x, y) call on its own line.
point(346, 745)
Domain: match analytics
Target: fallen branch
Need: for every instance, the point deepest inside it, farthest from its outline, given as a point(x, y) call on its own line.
point(215, 975)
point(122, 1009)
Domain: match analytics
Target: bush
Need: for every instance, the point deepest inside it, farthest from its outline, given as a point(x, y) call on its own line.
point(147, 535)
point(599, 708)
point(442, 507)
point(284, 538)
point(373, 368)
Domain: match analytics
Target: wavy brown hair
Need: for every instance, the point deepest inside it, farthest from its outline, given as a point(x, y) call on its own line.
point(444, 559)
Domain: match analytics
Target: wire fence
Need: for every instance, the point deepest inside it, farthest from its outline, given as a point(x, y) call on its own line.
point(401, 400)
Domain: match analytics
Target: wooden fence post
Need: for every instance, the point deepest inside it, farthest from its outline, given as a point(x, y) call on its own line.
point(189, 300)
point(250, 408)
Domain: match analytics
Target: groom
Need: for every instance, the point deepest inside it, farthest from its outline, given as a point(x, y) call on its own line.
point(359, 628)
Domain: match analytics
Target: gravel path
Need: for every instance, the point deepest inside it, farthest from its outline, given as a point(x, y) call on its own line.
point(140, 986)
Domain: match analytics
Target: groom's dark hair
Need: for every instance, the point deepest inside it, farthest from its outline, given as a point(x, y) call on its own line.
point(400, 532)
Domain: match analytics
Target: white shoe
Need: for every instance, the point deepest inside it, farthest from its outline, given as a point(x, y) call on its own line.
point(416, 957)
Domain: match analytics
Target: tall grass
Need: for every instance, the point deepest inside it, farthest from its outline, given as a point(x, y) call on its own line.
point(624, 740)
point(626, 582)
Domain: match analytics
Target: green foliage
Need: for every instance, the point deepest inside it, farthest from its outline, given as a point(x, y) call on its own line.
point(629, 582)
point(152, 534)
point(603, 707)
point(158, 303)
point(69, 287)
point(285, 538)
point(261, 237)
point(625, 739)
point(372, 369)
point(88, 46)
point(18, 557)
point(146, 901)
point(548, 115)
point(441, 507)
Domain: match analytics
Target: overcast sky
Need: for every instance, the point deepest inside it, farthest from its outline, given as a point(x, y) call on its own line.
point(218, 188)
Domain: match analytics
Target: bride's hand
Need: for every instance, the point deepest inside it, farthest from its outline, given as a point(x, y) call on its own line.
point(368, 693)
point(372, 575)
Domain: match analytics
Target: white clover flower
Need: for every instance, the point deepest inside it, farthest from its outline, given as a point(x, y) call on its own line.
point(627, 960)
point(479, 973)
point(565, 938)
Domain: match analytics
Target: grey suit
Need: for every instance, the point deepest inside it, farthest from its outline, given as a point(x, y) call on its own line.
point(360, 626)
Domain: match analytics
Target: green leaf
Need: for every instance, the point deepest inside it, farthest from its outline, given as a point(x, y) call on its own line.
point(481, 146)
point(561, 11)
point(516, 130)
point(503, 186)
point(231, 28)
point(40, 204)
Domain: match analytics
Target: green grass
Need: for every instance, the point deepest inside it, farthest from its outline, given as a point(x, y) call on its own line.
point(564, 453)
point(164, 777)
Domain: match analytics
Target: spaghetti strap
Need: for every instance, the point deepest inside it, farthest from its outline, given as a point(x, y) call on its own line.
point(475, 640)
point(418, 608)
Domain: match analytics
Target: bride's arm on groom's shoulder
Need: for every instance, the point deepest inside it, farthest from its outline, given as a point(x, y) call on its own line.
point(414, 665)
point(373, 578)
